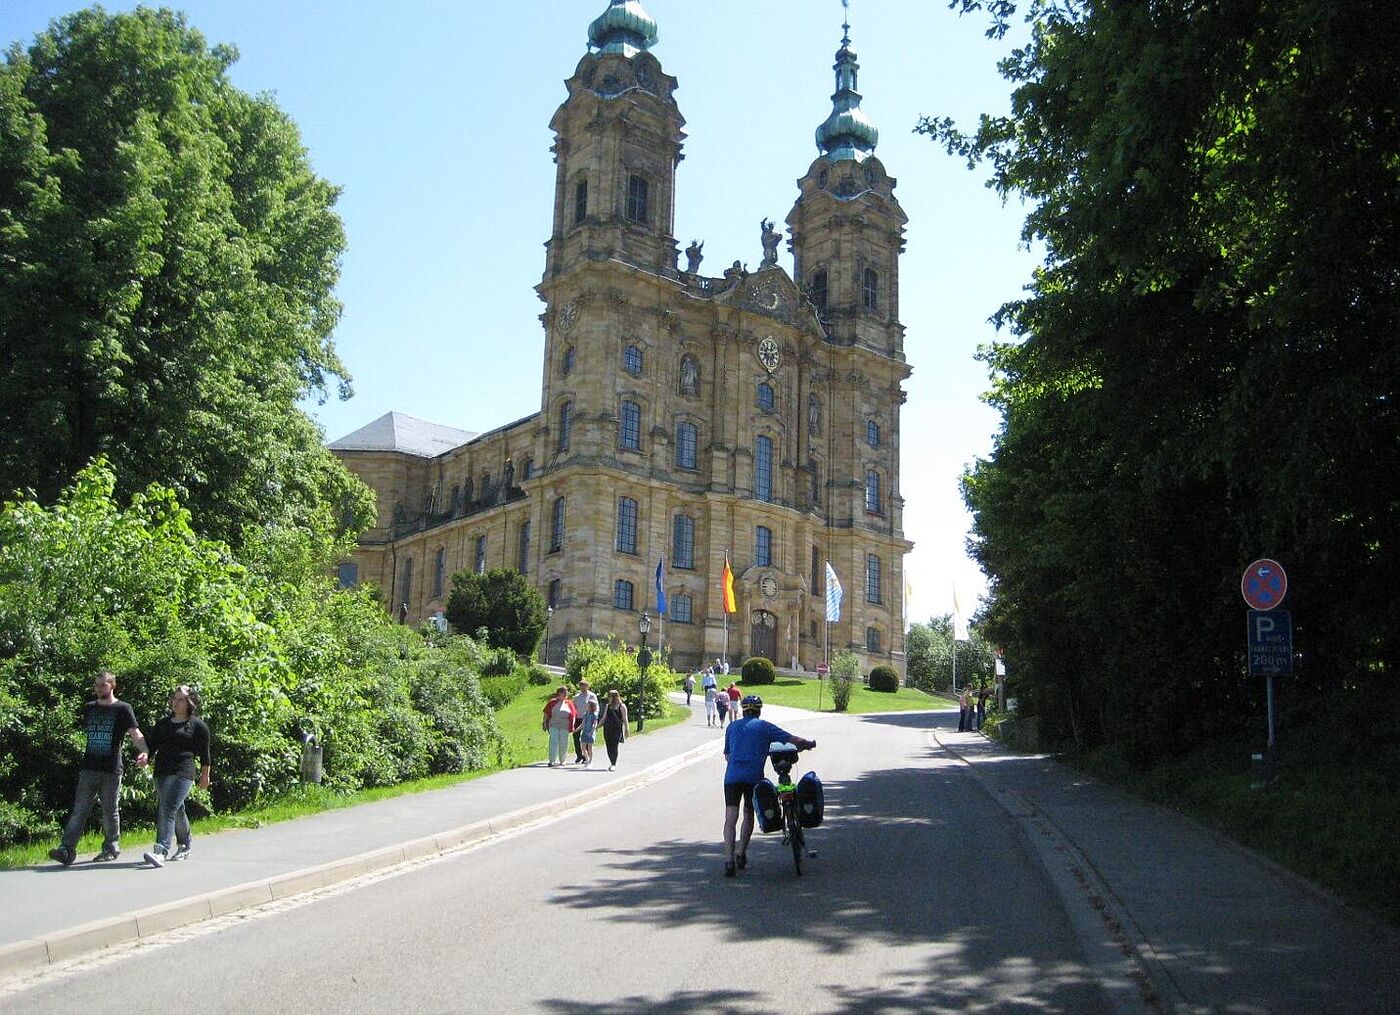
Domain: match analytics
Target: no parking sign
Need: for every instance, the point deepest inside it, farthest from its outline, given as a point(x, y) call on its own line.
point(1264, 584)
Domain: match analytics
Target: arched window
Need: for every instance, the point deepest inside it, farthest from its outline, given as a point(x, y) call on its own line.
point(872, 579)
point(870, 289)
point(872, 433)
point(819, 288)
point(629, 435)
point(686, 442)
point(528, 470)
point(555, 587)
point(566, 425)
point(683, 542)
point(626, 525)
point(682, 607)
point(406, 585)
point(348, 575)
point(580, 201)
point(622, 594)
point(567, 367)
point(872, 640)
point(480, 562)
point(632, 360)
point(690, 375)
point(763, 467)
point(816, 577)
point(523, 555)
point(556, 526)
point(764, 396)
point(439, 571)
point(763, 546)
point(872, 492)
point(638, 209)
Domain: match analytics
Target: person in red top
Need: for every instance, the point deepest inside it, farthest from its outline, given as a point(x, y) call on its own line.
point(734, 697)
point(560, 716)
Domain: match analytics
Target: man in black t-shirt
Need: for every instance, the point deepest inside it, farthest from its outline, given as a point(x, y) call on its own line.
point(106, 721)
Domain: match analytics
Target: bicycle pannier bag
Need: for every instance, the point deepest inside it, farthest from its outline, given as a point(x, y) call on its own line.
point(766, 808)
point(811, 800)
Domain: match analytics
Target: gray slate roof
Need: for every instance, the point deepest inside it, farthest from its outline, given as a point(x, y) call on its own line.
point(395, 431)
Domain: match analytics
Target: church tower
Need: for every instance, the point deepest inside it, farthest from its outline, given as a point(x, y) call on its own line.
point(618, 142)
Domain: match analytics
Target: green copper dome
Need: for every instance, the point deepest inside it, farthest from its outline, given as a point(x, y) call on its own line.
point(623, 28)
point(847, 133)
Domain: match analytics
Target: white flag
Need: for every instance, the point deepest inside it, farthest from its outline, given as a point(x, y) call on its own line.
point(959, 621)
point(833, 594)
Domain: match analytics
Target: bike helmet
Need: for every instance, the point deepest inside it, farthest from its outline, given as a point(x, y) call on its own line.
point(751, 701)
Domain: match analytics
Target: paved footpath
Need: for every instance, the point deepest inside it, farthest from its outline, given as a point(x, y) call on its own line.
point(53, 913)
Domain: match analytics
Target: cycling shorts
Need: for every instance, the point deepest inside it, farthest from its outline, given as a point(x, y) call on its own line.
point(734, 792)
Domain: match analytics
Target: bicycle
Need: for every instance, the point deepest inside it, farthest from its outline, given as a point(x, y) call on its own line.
point(783, 757)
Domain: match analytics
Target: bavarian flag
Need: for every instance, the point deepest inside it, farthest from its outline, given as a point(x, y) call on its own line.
point(727, 587)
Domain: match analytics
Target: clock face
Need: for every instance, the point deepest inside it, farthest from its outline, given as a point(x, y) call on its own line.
point(768, 585)
point(768, 353)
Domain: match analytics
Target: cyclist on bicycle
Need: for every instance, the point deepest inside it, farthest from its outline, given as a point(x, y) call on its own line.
point(746, 745)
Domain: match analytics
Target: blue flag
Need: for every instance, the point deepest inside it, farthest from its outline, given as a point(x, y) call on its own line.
point(833, 594)
point(660, 592)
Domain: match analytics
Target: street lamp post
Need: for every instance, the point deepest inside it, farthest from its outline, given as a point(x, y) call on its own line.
point(643, 661)
point(548, 616)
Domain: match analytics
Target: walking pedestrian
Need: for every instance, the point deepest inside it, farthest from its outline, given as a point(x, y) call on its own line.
point(614, 726)
point(559, 718)
point(588, 731)
point(734, 696)
point(106, 722)
point(982, 692)
point(711, 715)
point(176, 741)
point(581, 701)
point(965, 710)
point(689, 687)
point(721, 706)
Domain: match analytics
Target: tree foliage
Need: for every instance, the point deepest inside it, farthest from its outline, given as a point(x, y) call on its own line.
point(502, 605)
point(1204, 369)
point(930, 649)
point(167, 266)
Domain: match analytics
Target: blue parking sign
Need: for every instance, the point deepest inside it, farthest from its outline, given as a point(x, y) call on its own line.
point(1270, 643)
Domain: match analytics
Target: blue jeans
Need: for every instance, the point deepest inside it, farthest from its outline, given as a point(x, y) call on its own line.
point(104, 786)
point(171, 821)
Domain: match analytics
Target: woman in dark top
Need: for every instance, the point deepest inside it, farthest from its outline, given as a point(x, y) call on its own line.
point(176, 743)
point(614, 726)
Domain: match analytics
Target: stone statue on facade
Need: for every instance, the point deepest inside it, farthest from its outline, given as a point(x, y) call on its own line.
point(690, 376)
point(771, 239)
point(693, 257)
point(510, 475)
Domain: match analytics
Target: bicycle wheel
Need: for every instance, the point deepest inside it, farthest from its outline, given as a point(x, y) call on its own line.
point(794, 830)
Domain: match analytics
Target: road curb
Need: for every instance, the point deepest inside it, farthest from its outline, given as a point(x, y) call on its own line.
point(34, 954)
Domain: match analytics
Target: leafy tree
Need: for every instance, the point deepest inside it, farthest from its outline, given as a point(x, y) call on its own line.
point(502, 604)
point(167, 266)
point(1201, 372)
point(931, 648)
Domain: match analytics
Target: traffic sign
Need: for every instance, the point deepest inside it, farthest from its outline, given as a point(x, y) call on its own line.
point(1270, 643)
point(1264, 584)
point(823, 669)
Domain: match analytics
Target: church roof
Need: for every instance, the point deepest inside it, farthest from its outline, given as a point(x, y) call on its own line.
point(625, 27)
point(395, 431)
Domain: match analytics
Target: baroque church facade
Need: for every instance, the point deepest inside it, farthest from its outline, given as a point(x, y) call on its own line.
point(750, 416)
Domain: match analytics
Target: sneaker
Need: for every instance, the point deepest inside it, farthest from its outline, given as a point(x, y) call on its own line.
point(61, 854)
point(611, 767)
point(154, 859)
point(742, 860)
point(182, 852)
point(107, 854)
point(729, 870)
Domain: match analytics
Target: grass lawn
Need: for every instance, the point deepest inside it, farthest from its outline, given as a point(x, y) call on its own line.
point(525, 743)
point(795, 692)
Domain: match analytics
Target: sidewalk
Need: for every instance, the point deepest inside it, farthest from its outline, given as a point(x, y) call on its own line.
point(52, 913)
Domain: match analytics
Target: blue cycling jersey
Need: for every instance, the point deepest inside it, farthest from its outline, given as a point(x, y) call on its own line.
point(746, 743)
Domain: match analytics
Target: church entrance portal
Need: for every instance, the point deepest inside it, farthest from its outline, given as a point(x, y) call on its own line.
point(763, 639)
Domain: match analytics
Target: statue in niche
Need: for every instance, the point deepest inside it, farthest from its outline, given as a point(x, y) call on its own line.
point(814, 415)
point(693, 257)
point(400, 515)
point(690, 376)
point(771, 238)
point(510, 473)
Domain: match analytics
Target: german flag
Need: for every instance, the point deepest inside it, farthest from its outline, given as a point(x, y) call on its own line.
point(727, 586)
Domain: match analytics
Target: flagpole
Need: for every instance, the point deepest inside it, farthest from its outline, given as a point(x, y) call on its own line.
point(724, 608)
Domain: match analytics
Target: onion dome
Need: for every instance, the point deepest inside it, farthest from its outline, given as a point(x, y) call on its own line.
point(847, 133)
point(623, 28)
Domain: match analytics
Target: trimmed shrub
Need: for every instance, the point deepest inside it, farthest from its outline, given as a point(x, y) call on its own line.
point(539, 676)
point(884, 678)
point(758, 670)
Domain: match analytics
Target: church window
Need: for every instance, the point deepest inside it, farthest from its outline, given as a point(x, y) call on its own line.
point(348, 575)
point(683, 542)
point(622, 594)
point(872, 579)
point(763, 468)
point(686, 441)
point(763, 546)
point(872, 492)
point(816, 577)
point(630, 433)
point(480, 554)
point(814, 415)
point(637, 205)
point(872, 639)
point(632, 360)
point(556, 526)
point(871, 289)
point(819, 288)
point(872, 433)
point(682, 607)
point(439, 571)
point(764, 397)
point(523, 557)
point(528, 470)
point(626, 525)
point(568, 366)
point(552, 601)
point(580, 201)
point(406, 586)
point(566, 425)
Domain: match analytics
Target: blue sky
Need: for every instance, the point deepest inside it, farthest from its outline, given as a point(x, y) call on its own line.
point(433, 118)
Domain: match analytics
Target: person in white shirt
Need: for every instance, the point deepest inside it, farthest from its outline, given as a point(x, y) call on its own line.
point(581, 701)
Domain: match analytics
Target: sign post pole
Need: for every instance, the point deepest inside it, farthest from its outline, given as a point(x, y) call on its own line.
point(1268, 646)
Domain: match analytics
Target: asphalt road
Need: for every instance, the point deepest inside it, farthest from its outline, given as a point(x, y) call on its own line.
point(926, 896)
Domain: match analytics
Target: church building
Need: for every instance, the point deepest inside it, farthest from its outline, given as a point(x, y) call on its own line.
point(685, 419)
